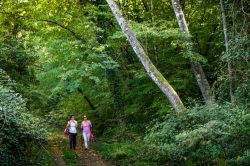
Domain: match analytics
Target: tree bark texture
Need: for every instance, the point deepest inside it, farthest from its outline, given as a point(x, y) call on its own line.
point(229, 66)
point(196, 67)
point(152, 71)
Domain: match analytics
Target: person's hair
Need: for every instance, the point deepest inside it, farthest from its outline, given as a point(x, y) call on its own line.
point(70, 116)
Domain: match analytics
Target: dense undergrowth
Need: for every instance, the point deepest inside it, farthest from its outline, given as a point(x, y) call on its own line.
point(203, 135)
point(22, 135)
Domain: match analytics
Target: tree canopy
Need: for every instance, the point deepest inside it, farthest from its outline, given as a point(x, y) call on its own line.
point(65, 57)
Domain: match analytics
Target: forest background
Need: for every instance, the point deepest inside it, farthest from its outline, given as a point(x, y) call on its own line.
point(65, 57)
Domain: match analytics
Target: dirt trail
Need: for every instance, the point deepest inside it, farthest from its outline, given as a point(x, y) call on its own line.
point(85, 158)
point(58, 155)
point(54, 147)
point(88, 157)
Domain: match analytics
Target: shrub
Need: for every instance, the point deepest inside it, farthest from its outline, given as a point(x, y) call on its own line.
point(203, 135)
point(20, 132)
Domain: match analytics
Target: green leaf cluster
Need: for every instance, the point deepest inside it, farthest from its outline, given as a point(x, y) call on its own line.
point(19, 129)
point(204, 135)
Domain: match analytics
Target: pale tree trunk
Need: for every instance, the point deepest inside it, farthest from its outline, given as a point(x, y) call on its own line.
point(230, 72)
point(155, 75)
point(196, 67)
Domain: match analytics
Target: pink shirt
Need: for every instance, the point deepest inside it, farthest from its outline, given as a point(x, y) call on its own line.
point(86, 125)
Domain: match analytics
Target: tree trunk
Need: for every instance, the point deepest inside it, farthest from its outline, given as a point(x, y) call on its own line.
point(155, 75)
point(230, 72)
point(91, 105)
point(196, 67)
point(115, 89)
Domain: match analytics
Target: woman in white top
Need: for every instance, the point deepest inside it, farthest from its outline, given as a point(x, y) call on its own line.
point(72, 125)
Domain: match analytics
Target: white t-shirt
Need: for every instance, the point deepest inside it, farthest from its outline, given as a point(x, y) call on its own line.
point(72, 126)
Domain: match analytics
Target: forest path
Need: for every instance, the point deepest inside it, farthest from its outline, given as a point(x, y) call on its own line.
point(84, 158)
point(55, 147)
point(88, 157)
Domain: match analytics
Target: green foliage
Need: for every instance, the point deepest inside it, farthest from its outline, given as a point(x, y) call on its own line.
point(19, 129)
point(122, 153)
point(74, 104)
point(69, 156)
point(166, 46)
point(237, 54)
point(201, 135)
point(15, 60)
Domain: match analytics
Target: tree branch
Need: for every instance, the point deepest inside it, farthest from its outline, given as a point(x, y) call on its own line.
point(87, 99)
point(64, 27)
point(3, 12)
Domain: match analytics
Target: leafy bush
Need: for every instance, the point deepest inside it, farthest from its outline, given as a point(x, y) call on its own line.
point(20, 132)
point(204, 135)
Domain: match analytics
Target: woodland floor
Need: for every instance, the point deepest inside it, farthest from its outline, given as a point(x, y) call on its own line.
point(84, 158)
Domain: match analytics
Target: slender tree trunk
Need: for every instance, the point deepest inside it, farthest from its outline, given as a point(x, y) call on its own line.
point(91, 105)
point(196, 67)
point(151, 10)
point(155, 75)
point(115, 89)
point(230, 72)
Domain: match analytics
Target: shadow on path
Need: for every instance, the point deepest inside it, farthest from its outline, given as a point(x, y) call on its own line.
point(84, 157)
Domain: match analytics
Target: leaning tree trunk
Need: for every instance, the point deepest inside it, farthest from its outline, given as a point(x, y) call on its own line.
point(196, 67)
point(230, 73)
point(152, 71)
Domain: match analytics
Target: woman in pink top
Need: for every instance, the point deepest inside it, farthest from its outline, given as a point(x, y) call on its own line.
point(86, 129)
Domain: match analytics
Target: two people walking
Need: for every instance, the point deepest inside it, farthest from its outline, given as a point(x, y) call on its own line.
point(86, 131)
